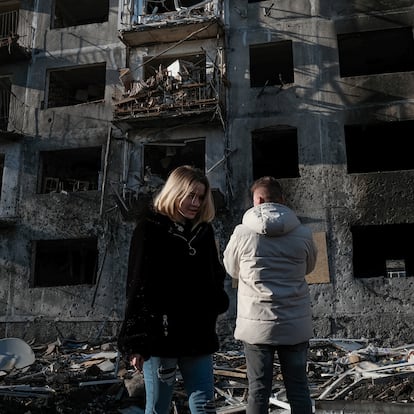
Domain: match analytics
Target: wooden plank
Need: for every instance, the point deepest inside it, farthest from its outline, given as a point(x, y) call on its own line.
point(233, 374)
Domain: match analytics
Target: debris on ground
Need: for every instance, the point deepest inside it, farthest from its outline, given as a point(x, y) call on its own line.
point(71, 376)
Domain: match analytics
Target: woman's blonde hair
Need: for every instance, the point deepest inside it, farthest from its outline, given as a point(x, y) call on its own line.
point(180, 183)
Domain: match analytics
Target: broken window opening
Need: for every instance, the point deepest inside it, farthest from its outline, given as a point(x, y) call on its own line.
point(159, 6)
point(378, 249)
point(271, 64)
point(65, 262)
point(161, 158)
point(376, 51)
point(167, 6)
point(186, 69)
point(158, 160)
point(396, 268)
point(76, 85)
point(75, 13)
point(143, 12)
point(369, 147)
point(70, 170)
point(5, 92)
point(275, 152)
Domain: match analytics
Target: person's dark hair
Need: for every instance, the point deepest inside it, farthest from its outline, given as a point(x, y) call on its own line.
point(270, 187)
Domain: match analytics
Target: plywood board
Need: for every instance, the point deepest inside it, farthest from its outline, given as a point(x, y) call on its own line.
point(321, 272)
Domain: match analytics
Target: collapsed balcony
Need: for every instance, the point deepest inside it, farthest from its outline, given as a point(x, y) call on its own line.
point(148, 22)
point(171, 87)
point(183, 89)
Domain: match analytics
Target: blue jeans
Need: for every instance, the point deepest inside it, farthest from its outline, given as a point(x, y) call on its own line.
point(293, 360)
point(198, 378)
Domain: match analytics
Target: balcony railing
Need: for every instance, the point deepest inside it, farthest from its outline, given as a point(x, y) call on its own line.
point(165, 96)
point(11, 31)
point(8, 24)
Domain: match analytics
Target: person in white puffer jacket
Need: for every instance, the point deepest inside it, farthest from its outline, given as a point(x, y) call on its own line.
point(269, 254)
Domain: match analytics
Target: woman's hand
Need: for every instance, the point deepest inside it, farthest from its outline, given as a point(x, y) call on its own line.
point(137, 361)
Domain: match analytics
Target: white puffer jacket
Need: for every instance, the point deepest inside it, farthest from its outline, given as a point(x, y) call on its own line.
point(270, 253)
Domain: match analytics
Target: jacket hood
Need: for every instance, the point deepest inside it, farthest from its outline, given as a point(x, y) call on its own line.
point(271, 219)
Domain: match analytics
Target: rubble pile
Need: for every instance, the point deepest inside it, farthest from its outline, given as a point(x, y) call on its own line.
point(358, 370)
point(179, 87)
point(71, 376)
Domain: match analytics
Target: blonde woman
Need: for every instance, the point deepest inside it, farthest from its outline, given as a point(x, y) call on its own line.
point(175, 294)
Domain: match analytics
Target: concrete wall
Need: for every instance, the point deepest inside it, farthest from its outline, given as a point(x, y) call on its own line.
point(319, 104)
point(82, 310)
point(328, 199)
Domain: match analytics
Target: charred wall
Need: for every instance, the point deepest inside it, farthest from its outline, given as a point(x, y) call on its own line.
point(95, 113)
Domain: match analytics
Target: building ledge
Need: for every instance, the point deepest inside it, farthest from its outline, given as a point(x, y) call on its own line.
point(174, 31)
point(11, 51)
point(9, 135)
point(7, 222)
point(167, 118)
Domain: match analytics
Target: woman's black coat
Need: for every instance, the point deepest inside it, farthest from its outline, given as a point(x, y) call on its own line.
point(174, 290)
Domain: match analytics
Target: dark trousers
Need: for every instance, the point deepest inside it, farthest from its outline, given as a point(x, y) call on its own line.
point(293, 361)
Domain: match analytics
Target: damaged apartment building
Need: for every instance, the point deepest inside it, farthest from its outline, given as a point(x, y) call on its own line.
point(101, 99)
